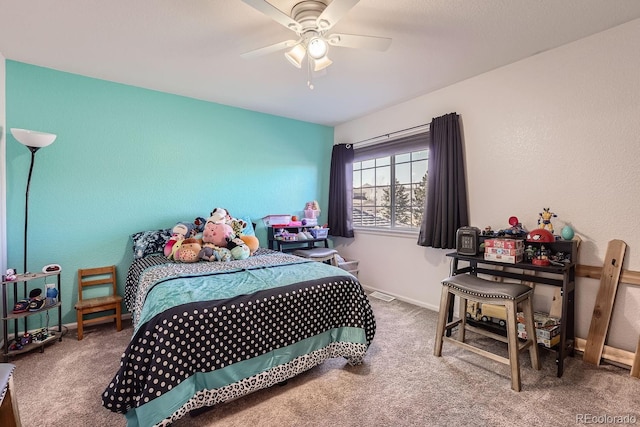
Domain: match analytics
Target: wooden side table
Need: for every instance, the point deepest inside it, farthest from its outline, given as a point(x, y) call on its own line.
point(9, 415)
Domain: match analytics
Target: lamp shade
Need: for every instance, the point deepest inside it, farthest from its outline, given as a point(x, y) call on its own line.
point(296, 55)
point(32, 138)
point(322, 63)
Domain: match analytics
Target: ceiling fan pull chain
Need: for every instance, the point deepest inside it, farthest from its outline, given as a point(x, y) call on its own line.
point(309, 76)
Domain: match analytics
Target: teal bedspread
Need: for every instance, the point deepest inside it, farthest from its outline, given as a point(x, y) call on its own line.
point(206, 333)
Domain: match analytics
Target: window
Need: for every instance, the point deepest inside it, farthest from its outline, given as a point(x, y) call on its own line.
point(390, 184)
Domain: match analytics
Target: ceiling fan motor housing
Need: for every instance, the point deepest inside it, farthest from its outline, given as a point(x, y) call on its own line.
point(306, 13)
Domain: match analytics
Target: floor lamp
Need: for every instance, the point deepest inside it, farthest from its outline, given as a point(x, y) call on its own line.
point(34, 141)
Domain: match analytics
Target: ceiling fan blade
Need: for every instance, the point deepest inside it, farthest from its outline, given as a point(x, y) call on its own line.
point(275, 14)
point(269, 49)
point(332, 14)
point(359, 42)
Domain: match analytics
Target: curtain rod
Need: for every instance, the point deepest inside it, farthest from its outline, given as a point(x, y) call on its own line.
point(387, 135)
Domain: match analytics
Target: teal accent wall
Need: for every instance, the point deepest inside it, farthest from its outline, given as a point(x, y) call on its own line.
point(128, 159)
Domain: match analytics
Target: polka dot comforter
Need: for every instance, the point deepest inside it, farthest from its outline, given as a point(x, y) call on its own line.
point(209, 332)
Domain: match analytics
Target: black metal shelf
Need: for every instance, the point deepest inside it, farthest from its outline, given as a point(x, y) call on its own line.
point(8, 315)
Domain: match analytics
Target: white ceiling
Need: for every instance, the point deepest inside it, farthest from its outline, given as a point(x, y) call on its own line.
point(193, 47)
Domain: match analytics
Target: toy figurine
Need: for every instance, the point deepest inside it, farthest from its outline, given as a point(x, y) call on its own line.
point(516, 229)
point(529, 253)
point(545, 219)
point(51, 295)
point(11, 274)
point(542, 256)
point(488, 231)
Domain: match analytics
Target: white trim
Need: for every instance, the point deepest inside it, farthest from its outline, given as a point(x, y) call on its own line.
point(401, 298)
point(3, 162)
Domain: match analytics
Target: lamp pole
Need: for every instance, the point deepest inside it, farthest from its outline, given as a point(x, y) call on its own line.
point(26, 204)
point(34, 141)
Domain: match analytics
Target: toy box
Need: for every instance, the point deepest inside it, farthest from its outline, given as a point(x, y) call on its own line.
point(547, 332)
point(277, 220)
point(540, 319)
point(510, 259)
point(504, 251)
point(504, 243)
point(311, 213)
point(547, 342)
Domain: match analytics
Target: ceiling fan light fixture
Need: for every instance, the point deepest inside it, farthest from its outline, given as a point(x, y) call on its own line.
point(296, 55)
point(322, 63)
point(317, 48)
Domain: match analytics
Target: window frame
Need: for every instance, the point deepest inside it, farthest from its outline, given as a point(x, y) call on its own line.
point(408, 144)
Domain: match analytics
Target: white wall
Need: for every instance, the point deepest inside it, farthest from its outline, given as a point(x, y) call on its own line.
point(561, 130)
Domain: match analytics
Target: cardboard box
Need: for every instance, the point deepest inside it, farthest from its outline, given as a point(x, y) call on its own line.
point(504, 251)
point(547, 329)
point(540, 319)
point(510, 259)
point(543, 319)
point(545, 333)
point(548, 343)
point(504, 243)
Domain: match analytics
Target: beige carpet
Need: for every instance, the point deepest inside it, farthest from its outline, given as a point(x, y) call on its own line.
point(400, 384)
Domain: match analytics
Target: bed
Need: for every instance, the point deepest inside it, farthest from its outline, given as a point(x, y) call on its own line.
point(209, 332)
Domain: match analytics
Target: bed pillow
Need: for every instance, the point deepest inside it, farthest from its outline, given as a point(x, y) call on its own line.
point(248, 231)
point(150, 242)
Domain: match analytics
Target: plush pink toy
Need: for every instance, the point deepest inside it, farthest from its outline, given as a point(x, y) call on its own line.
point(179, 232)
point(216, 233)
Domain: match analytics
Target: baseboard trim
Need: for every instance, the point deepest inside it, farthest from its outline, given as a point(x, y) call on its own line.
point(401, 298)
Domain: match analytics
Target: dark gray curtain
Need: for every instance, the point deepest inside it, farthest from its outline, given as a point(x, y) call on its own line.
point(446, 207)
point(341, 191)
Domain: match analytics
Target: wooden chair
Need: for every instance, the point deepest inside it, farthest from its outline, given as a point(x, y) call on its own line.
point(98, 277)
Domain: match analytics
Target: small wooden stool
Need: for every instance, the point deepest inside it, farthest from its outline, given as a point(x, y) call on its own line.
point(484, 291)
point(318, 254)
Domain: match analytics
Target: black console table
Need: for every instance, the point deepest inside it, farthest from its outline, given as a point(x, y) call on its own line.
point(562, 276)
point(289, 245)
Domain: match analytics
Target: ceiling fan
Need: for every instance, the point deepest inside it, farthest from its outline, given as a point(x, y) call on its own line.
point(311, 20)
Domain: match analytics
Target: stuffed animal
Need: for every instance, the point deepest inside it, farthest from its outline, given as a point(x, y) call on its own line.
point(174, 249)
point(188, 250)
point(198, 225)
point(211, 252)
point(219, 216)
point(238, 226)
point(238, 248)
point(180, 231)
point(207, 251)
point(252, 242)
point(216, 233)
